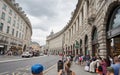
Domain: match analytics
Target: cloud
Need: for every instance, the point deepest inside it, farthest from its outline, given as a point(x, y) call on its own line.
point(47, 15)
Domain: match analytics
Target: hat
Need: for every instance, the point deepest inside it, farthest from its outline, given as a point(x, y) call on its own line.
point(110, 69)
point(37, 68)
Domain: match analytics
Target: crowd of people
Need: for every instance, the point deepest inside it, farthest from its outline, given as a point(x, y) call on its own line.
point(100, 65)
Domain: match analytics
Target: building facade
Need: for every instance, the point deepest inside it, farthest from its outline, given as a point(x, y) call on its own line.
point(94, 29)
point(15, 28)
point(54, 43)
point(35, 46)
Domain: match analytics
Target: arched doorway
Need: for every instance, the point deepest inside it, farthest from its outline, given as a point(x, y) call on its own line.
point(77, 46)
point(86, 45)
point(113, 31)
point(94, 42)
point(81, 52)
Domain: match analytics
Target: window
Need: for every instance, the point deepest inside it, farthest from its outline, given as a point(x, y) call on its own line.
point(115, 19)
point(17, 34)
point(8, 28)
point(10, 12)
point(3, 16)
point(4, 7)
point(1, 26)
point(14, 22)
point(18, 25)
point(15, 16)
point(9, 19)
point(12, 31)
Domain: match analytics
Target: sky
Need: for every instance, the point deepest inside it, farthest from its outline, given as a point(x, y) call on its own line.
point(47, 15)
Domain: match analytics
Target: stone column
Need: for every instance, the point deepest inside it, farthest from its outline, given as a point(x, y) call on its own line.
point(102, 40)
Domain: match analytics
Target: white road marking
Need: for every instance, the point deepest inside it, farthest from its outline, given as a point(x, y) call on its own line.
point(9, 60)
point(3, 73)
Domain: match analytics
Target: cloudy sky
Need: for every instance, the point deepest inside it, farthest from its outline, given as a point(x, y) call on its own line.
point(47, 15)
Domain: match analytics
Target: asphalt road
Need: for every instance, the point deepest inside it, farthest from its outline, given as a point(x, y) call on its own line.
point(22, 67)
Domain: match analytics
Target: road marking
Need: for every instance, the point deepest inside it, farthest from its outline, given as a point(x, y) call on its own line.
point(3, 73)
point(27, 68)
point(9, 60)
point(49, 69)
point(23, 68)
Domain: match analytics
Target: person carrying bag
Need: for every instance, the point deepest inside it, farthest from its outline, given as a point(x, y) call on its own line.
point(66, 70)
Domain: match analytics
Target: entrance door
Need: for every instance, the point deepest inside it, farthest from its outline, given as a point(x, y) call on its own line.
point(94, 50)
point(1, 50)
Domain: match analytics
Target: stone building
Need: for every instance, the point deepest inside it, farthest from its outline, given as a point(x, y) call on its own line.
point(54, 43)
point(15, 28)
point(94, 29)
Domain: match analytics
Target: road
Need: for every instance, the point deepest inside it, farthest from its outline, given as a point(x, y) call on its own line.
point(22, 67)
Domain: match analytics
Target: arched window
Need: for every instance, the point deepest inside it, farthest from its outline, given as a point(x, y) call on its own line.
point(95, 35)
point(115, 19)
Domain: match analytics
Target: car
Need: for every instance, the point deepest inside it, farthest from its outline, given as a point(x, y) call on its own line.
point(41, 54)
point(26, 55)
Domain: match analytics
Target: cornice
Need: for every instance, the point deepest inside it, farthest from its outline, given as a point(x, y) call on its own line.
point(50, 37)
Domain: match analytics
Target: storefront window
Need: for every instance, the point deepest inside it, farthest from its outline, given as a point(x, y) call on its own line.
point(115, 20)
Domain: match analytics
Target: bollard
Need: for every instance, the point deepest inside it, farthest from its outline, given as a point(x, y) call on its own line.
point(60, 65)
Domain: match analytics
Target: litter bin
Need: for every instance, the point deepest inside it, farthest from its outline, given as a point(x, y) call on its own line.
point(60, 65)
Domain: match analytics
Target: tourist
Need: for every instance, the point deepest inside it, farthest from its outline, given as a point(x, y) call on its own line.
point(37, 69)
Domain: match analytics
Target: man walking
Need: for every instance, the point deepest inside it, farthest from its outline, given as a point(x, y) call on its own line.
point(116, 66)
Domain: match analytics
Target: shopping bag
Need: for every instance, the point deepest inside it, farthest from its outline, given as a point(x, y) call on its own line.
point(86, 68)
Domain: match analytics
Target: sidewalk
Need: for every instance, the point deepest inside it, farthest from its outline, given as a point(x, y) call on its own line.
point(78, 69)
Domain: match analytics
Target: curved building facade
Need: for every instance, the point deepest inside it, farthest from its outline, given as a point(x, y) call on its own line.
point(94, 29)
point(15, 28)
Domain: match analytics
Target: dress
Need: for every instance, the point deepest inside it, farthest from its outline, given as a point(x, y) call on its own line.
point(104, 67)
point(92, 66)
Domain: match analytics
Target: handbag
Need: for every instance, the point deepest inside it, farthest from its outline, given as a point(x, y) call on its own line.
point(86, 68)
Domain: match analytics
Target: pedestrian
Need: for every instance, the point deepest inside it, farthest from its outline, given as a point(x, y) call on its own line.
point(98, 66)
point(66, 70)
point(92, 66)
point(110, 71)
point(37, 69)
point(116, 66)
point(76, 59)
point(104, 66)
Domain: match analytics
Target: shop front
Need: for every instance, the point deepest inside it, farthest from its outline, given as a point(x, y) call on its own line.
point(3, 44)
point(2, 51)
point(113, 32)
